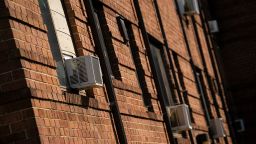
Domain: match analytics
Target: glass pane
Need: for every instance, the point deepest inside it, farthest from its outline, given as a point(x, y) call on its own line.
point(161, 74)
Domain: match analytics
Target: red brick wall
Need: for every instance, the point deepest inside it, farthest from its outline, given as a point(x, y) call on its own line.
point(177, 43)
point(36, 109)
point(23, 49)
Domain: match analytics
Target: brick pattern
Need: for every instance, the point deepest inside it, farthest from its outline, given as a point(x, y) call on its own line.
point(150, 19)
point(237, 50)
point(176, 39)
point(144, 131)
point(36, 109)
point(65, 123)
point(22, 38)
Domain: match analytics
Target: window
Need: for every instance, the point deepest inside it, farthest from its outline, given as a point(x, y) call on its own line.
point(106, 38)
point(123, 25)
point(182, 84)
point(161, 75)
point(203, 95)
point(215, 86)
point(128, 36)
point(58, 34)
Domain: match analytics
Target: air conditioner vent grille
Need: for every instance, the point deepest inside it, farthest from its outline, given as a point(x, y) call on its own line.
point(83, 76)
point(74, 77)
point(84, 72)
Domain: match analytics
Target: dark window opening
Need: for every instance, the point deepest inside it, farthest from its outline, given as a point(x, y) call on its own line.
point(122, 25)
point(182, 83)
point(202, 91)
point(202, 138)
point(107, 38)
point(163, 80)
point(215, 86)
point(128, 35)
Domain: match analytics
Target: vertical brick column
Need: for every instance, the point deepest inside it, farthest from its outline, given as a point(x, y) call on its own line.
point(24, 55)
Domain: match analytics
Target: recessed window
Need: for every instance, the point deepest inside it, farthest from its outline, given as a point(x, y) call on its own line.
point(126, 30)
point(215, 86)
point(203, 95)
point(122, 27)
point(162, 79)
point(58, 34)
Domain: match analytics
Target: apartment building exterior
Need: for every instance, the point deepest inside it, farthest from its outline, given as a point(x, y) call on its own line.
point(237, 51)
point(154, 56)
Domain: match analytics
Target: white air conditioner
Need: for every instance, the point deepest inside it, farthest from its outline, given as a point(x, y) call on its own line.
point(213, 25)
point(180, 117)
point(217, 128)
point(84, 72)
point(188, 7)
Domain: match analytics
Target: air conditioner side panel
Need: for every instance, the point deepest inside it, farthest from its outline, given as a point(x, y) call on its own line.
point(217, 128)
point(183, 117)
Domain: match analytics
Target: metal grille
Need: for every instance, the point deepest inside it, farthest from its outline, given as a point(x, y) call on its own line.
point(74, 77)
point(81, 65)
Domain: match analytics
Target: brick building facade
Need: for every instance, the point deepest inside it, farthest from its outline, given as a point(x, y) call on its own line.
point(237, 51)
point(151, 57)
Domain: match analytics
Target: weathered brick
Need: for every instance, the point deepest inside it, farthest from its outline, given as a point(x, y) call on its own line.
point(38, 110)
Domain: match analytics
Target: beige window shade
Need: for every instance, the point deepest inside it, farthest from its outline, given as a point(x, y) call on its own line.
point(61, 27)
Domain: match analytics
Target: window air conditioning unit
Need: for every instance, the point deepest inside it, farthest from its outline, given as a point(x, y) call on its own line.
point(180, 117)
point(213, 25)
point(239, 125)
point(188, 7)
point(84, 72)
point(217, 128)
